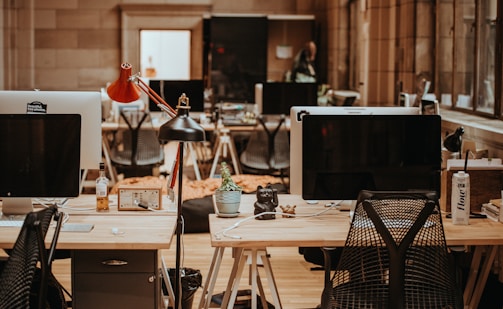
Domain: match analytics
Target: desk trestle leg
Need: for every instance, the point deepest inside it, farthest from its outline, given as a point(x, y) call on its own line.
point(253, 257)
point(211, 278)
point(476, 281)
point(167, 282)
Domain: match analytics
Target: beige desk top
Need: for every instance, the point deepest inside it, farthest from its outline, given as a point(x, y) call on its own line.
point(137, 230)
point(328, 229)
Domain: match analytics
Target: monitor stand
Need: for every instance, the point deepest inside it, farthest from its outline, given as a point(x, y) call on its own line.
point(16, 206)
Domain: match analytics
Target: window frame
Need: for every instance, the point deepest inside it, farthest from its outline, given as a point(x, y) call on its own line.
point(478, 50)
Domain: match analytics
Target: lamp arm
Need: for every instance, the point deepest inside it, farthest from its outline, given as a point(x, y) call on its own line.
point(172, 182)
point(166, 108)
point(171, 113)
point(156, 98)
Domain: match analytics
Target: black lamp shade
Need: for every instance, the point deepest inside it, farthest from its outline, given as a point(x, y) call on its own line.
point(181, 128)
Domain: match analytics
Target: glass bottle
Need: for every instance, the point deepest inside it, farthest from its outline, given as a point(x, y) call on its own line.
point(102, 190)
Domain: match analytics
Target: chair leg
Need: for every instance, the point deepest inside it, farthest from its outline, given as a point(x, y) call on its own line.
point(327, 284)
point(456, 252)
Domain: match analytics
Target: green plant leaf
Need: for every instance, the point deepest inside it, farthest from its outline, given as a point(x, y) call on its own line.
point(228, 183)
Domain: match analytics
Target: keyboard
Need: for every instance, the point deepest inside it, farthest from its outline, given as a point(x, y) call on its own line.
point(14, 223)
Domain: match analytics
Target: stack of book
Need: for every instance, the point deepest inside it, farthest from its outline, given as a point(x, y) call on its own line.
point(492, 209)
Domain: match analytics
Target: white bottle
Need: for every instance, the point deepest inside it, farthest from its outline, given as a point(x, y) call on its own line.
point(460, 199)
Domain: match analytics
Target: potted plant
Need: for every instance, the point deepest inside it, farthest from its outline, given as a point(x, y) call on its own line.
point(228, 195)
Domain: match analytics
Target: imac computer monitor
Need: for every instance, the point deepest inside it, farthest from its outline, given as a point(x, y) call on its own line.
point(171, 90)
point(345, 154)
point(39, 158)
point(276, 98)
point(296, 123)
point(85, 103)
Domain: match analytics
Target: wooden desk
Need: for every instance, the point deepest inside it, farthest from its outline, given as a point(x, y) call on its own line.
point(328, 230)
point(139, 237)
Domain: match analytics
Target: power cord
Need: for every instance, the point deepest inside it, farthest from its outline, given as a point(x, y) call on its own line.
point(223, 233)
point(146, 207)
point(139, 204)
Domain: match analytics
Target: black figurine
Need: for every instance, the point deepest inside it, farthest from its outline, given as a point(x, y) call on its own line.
point(267, 201)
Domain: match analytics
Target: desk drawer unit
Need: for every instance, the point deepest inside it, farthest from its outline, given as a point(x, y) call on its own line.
point(115, 279)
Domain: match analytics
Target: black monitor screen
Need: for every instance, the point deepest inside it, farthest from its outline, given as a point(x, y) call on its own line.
point(39, 155)
point(171, 90)
point(344, 154)
point(278, 98)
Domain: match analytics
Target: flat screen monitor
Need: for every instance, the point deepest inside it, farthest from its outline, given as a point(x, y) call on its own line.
point(279, 97)
point(85, 103)
point(296, 116)
point(345, 154)
point(39, 157)
point(171, 90)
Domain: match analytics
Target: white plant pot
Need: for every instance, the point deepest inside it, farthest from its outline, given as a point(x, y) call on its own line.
point(227, 202)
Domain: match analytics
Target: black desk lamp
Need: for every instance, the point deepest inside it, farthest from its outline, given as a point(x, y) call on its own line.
point(182, 128)
point(179, 128)
point(453, 141)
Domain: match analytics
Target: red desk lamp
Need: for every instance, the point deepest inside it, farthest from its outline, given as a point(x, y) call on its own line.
point(128, 88)
point(179, 128)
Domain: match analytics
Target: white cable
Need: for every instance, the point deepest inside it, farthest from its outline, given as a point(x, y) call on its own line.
point(238, 223)
point(63, 204)
point(66, 217)
point(182, 254)
point(146, 207)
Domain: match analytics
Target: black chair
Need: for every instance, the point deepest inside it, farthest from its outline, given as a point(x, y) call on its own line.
point(268, 150)
point(19, 272)
point(395, 256)
point(136, 150)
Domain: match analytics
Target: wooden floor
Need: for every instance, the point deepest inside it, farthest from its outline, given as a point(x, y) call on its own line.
point(298, 285)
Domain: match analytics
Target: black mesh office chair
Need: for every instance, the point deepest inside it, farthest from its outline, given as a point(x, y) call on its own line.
point(136, 150)
point(267, 150)
point(395, 256)
point(20, 269)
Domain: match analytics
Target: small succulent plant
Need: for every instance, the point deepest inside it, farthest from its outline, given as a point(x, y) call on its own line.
point(228, 183)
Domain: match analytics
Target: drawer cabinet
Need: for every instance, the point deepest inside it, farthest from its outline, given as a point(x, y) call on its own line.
point(115, 279)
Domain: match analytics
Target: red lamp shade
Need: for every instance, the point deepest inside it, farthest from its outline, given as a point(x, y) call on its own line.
point(124, 89)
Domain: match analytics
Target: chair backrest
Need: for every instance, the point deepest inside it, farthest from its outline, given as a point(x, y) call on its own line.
point(268, 148)
point(395, 255)
point(138, 145)
point(19, 271)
